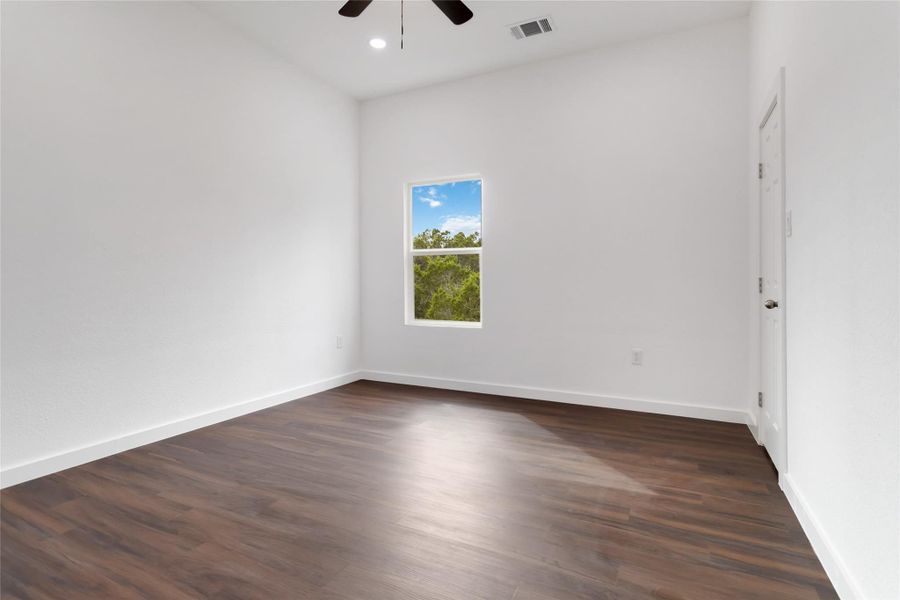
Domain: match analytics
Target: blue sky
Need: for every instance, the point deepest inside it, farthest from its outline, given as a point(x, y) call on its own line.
point(453, 207)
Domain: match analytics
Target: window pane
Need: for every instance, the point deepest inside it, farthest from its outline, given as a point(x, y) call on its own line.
point(448, 287)
point(447, 215)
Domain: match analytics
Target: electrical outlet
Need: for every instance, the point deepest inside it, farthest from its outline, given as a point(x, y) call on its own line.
point(339, 342)
point(637, 356)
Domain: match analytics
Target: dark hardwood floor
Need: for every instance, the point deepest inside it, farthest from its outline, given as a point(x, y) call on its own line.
point(378, 492)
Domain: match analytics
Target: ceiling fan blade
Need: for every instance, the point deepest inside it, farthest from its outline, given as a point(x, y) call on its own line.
point(354, 8)
point(455, 10)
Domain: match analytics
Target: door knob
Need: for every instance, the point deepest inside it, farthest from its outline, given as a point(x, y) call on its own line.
point(770, 304)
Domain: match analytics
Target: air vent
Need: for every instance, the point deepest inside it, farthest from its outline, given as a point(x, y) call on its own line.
point(531, 28)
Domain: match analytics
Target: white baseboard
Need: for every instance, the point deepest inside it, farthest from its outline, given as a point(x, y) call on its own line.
point(753, 426)
point(78, 456)
point(844, 584)
point(533, 393)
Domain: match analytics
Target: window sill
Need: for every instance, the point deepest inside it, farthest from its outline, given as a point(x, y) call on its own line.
point(451, 324)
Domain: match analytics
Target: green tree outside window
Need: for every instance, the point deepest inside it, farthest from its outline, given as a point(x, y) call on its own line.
point(447, 287)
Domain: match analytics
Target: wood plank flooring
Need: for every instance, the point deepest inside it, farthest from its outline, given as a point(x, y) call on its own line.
point(380, 492)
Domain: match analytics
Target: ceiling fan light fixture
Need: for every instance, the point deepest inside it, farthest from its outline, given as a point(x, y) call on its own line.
point(378, 43)
point(455, 10)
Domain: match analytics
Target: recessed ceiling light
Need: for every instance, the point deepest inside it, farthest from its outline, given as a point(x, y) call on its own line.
point(377, 43)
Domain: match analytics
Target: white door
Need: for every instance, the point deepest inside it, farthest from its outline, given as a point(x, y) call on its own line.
point(771, 296)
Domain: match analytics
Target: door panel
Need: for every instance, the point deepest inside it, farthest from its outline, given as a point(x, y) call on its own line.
point(771, 300)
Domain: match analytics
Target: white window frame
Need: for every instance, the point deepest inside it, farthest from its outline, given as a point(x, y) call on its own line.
point(409, 288)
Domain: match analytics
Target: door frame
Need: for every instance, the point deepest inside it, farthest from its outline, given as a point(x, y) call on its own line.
point(773, 102)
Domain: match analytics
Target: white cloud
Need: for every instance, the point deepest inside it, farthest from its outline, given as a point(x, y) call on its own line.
point(431, 202)
point(466, 224)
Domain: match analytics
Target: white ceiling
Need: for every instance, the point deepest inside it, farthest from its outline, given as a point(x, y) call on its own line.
point(336, 49)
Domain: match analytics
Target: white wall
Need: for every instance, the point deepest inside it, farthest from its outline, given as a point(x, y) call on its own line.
point(614, 217)
point(841, 132)
point(180, 223)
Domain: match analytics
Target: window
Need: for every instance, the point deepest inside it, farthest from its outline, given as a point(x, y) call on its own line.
point(443, 252)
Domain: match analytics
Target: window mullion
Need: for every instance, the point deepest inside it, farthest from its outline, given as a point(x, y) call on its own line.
point(444, 251)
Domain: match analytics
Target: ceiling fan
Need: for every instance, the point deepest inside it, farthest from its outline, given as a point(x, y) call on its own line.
point(455, 10)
